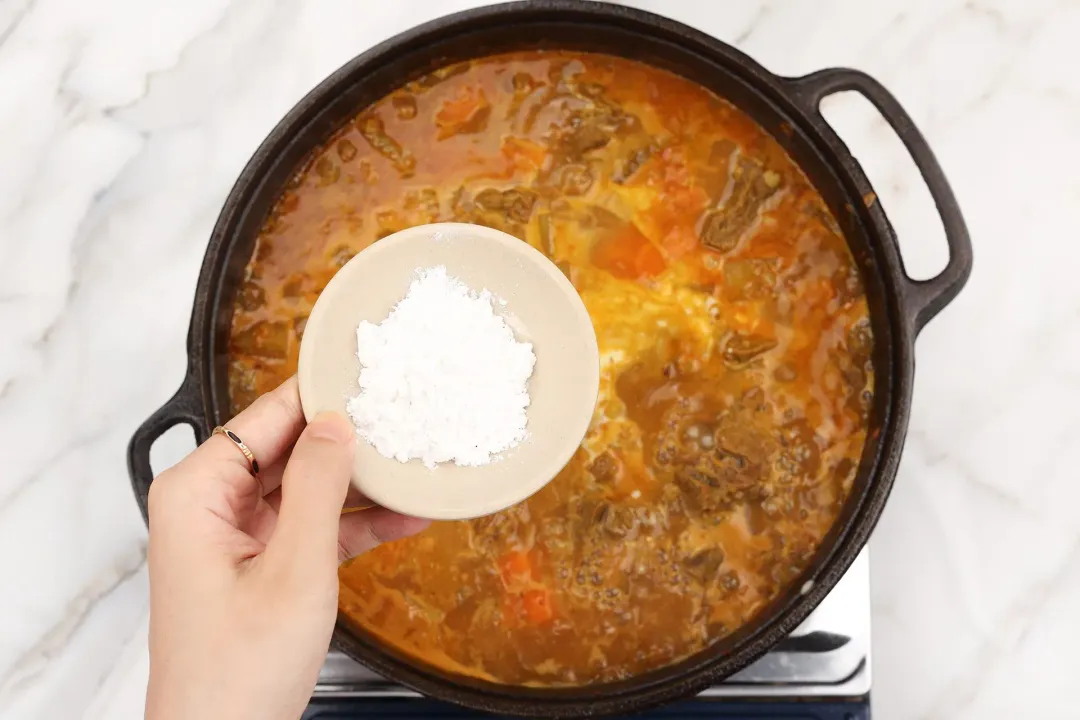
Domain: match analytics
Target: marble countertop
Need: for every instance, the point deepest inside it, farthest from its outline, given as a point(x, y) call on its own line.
point(123, 125)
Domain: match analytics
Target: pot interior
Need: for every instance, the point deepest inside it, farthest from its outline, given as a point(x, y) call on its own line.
point(664, 45)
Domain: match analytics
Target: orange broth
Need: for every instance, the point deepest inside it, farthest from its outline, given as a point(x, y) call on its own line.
point(735, 348)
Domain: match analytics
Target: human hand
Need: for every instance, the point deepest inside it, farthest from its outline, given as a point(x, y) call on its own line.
point(243, 571)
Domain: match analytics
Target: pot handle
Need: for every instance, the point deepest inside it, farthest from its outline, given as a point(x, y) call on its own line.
point(183, 407)
point(922, 299)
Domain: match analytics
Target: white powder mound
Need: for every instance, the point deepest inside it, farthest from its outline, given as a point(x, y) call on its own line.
point(442, 377)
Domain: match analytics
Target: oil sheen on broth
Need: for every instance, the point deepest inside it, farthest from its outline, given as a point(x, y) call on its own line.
point(735, 349)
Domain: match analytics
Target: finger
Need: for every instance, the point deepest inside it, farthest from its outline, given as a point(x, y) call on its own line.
point(354, 500)
point(365, 530)
point(313, 491)
point(270, 477)
point(262, 522)
point(268, 427)
point(274, 500)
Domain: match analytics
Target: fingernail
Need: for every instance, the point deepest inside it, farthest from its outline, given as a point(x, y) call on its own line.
point(331, 426)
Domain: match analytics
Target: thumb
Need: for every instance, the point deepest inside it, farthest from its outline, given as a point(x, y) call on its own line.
point(313, 490)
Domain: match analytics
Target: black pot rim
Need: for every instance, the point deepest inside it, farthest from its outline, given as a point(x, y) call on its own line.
point(906, 303)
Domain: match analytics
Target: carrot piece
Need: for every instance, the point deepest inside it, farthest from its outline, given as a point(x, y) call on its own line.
point(524, 154)
point(466, 113)
point(515, 564)
point(536, 605)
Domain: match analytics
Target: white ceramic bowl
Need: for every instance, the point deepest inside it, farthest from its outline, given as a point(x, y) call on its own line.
point(542, 307)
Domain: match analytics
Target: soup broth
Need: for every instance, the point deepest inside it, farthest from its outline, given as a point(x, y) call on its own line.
point(735, 359)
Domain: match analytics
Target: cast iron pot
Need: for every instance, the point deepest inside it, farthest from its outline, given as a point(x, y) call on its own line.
point(788, 109)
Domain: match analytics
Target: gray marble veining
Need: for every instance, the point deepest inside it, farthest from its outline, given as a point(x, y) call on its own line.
point(123, 125)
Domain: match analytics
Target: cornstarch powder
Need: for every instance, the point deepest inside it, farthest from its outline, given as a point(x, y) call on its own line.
point(442, 377)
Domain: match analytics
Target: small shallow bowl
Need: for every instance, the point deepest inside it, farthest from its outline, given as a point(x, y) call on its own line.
point(542, 307)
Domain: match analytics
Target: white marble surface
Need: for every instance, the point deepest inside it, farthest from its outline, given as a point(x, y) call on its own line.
point(124, 123)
